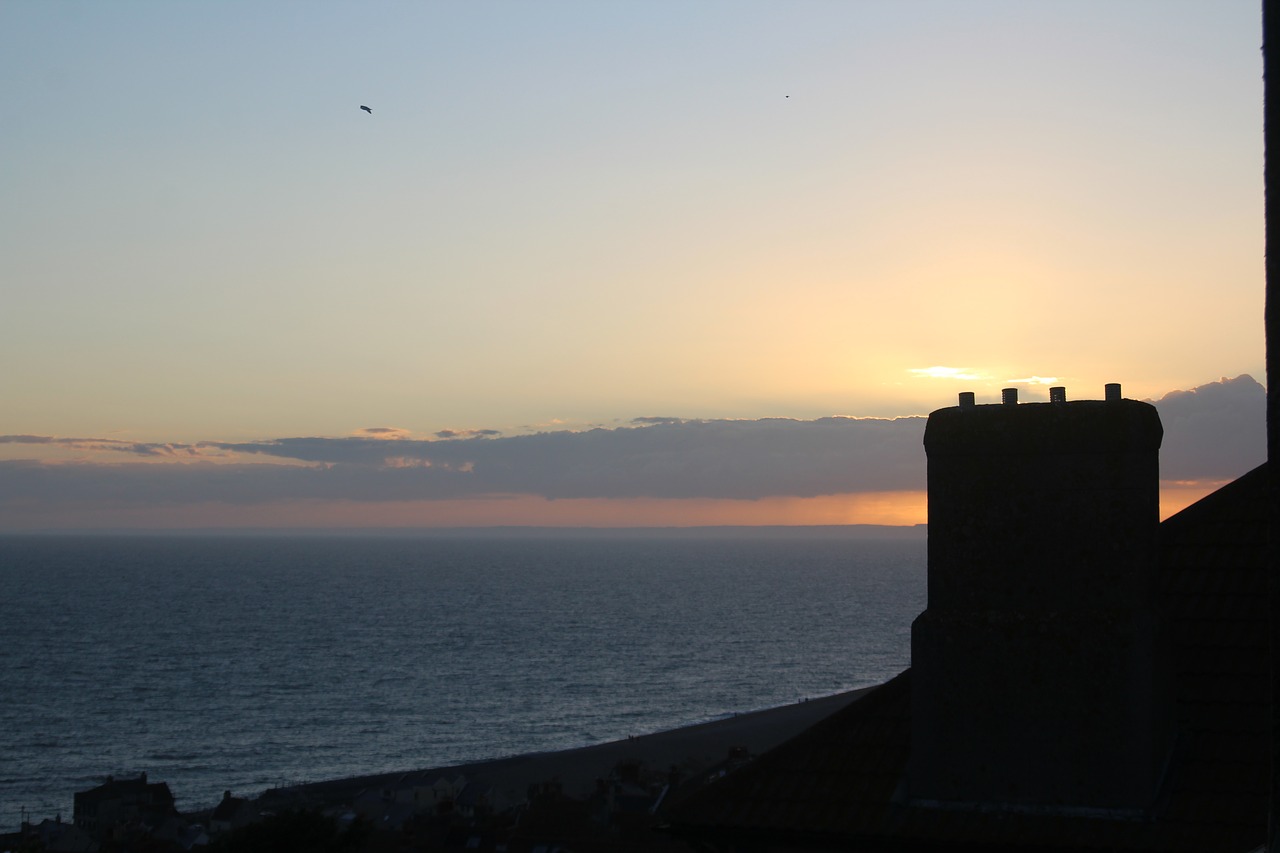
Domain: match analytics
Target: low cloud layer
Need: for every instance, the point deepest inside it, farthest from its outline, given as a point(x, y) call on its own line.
point(669, 459)
point(1213, 432)
point(112, 445)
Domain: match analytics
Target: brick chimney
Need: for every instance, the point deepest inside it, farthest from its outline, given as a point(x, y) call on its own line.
point(1039, 676)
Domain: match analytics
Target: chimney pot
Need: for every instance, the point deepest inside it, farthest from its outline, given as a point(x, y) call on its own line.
point(1009, 396)
point(1113, 392)
point(966, 399)
point(1057, 394)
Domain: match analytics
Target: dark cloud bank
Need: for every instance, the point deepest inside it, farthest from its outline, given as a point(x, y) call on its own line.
point(1216, 431)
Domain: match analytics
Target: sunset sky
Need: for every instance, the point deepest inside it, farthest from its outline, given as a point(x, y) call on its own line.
point(606, 263)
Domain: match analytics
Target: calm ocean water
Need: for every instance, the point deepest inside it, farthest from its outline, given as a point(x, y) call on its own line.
point(245, 663)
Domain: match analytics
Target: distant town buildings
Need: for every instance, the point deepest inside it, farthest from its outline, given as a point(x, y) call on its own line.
point(121, 803)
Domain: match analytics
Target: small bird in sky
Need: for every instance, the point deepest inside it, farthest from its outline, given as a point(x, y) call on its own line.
point(369, 110)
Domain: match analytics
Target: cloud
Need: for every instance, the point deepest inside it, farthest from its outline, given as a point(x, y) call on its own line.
point(111, 445)
point(664, 458)
point(939, 372)
point(647, 421)
point(1213, 432)
point(384, 433)
point(468, 433)
point(745, 460)
point(1033, 380)
point(27, 439)
point(1216, 431)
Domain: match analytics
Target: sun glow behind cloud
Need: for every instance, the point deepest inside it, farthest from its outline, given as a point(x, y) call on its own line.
point(655, 471)
point(1033, 380)
point(957, 373)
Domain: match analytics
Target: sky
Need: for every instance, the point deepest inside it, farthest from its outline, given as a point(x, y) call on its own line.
point(607, 264)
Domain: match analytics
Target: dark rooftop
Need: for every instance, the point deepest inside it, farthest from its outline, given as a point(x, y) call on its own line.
point(840, 784)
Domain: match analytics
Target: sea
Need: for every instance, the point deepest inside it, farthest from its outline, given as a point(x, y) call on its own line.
point(244, 663)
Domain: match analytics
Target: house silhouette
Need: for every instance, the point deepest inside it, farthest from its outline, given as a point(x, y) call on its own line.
point(1204, 773)
point(1084, 677)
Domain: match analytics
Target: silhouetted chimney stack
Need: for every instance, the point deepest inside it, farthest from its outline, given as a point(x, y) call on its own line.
point(1039, 680)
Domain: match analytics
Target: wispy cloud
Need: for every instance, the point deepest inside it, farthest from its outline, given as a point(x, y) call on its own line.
point(650, 420)
point(385, 433)
point(467, 433)
point(166, 450)
point(1033, 380)
point(939, 372)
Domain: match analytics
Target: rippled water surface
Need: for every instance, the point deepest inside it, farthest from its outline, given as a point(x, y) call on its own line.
point(244, 663)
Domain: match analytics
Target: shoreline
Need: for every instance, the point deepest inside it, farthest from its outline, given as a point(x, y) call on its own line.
point(686, 752)
point(692, 749)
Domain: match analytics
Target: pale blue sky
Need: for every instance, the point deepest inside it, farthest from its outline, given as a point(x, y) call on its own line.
point(576, 213)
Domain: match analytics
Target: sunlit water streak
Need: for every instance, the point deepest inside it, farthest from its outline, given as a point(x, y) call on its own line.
point(244, 663)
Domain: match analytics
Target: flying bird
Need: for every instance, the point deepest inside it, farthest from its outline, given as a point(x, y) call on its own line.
point(369, 110)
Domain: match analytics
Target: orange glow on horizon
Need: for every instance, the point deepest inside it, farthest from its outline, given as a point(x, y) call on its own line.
point(1175, 497)
point(884, 508)
point(890, 508)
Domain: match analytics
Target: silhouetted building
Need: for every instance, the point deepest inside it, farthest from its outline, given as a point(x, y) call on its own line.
point(52, 836)
point(232, 813)
point(1040, 679)
point(1084, 678)
point(118, 802)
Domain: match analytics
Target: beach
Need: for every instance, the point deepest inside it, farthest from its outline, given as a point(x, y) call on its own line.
point(690, 750)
